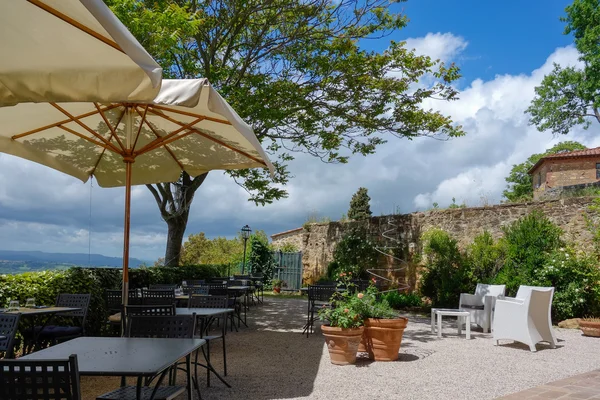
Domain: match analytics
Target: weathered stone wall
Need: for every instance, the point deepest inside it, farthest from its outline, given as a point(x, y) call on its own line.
point(293, 236)
point(318, 241)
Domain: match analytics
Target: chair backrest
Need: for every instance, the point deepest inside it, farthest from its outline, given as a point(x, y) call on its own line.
point(525, 291)
point(320, 292)
point(193, 282)
point(170, 327)
point(147, 311)
point(163, 286)
point(113, 299)
point(81, 301)
point(540, 306)
point(483, 290)
point(197, 289)
point(218, 289)
point(39, 379)
point(158, 297)
point(208, 302)
point(239, 282)
point(9, 324)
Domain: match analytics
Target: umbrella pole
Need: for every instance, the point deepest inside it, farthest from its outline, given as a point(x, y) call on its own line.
point(127, 228)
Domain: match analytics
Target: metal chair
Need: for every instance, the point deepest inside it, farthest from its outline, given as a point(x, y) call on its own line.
point(158, 297)
point(166, 310)
point(60, 333)
point(39, 380)
point(212, 302)
point(163, 286)
point(193, 282)
point(196, 289)
point(9, 324)
point(318, 296)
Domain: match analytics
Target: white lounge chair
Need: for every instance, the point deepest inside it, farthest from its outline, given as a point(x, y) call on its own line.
point(481, 304)
point(526, 318)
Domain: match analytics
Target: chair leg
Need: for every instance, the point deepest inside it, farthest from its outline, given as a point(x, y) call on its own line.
point(224, 357)
point(208, 362)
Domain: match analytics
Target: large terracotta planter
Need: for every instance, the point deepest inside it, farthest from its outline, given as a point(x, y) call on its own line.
point(382, 338)
point(342, 343)
point(590, 328)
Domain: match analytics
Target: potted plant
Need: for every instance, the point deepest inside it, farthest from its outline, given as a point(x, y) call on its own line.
point(384, 328)
point(590, 326)
point(344, 329)
point(277, 285)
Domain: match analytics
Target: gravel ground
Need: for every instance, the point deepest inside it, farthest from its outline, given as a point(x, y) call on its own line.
point(272, 360)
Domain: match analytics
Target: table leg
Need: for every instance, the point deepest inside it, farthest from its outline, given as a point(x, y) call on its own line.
point(188, 367)
point(459, 324)
point(138, 388)
point(432, 321)
point(468, 317)
point(439, 325)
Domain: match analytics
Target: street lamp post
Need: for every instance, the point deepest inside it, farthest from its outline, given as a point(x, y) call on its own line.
point(246, 231)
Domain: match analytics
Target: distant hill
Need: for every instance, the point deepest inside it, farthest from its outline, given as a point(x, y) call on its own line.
point(14, 262)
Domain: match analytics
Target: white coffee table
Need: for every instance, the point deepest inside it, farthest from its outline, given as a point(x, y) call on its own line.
point(462, 317)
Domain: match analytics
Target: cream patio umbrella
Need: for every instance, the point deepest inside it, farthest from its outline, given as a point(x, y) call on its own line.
point(187, 127)
point(71, 50)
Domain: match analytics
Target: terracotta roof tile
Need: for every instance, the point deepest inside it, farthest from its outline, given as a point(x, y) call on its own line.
point(571, 154)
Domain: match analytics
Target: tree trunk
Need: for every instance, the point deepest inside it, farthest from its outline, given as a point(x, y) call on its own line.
point(175, 235)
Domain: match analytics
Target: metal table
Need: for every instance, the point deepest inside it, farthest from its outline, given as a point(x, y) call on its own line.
point(245, 290)
point(35, 312)
point(116, 356)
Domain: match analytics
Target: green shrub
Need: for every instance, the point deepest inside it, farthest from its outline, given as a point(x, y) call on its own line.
point(261, 258)
point(355, 253)
point(485, 257)
point(446, 273)
point(146, 276)
point(399, 300)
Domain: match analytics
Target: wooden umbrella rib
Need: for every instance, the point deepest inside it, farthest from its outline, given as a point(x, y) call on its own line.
point(189, 114)
point(158, 136)
point(220, 142)
point(54, 125)
point(87, 128)
point(158, 142)
point(76, 24)
point(113, 133)
point(137, 136)
point(84, 137)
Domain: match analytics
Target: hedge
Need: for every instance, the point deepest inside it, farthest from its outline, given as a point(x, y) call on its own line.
point(45, 286)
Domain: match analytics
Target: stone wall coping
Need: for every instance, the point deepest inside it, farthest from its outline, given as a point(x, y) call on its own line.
point(275, 235)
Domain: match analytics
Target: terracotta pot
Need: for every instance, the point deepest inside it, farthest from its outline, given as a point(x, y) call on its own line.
point(277, 290)
point(590, 328)
point(342, 343)
point(382, 338)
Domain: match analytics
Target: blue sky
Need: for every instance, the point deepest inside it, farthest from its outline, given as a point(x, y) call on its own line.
point(503, 48)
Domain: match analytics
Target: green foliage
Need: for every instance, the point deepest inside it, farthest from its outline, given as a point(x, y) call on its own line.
point(347, 308)
point(520, 183)
point(278, 283)
point(446, 273)
point(355, 253)
point(287, 247)
point(527, 243)
point(373, 305)
point(261, 257)
point(569, 96)
point(454, 205)
point(359, 205)
point(146, 276)
point(198, 249)
point(592, 221)
point(485, 257)
point(399, 300)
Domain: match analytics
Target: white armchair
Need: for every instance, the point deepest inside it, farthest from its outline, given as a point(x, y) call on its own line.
point(526, 318)
point(481, 304)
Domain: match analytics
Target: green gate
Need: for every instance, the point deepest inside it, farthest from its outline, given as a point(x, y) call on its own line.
point(288, 267)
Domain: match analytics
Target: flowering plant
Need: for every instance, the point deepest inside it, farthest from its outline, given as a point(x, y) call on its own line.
point(346, 305)
point(372, 305)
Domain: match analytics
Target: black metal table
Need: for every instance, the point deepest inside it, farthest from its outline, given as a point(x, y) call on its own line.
point(116, 356)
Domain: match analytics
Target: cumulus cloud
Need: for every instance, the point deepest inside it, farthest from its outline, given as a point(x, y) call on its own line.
point(442, 46)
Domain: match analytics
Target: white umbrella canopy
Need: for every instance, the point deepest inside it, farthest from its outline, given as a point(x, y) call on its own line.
point(71, 50)
point(188, 127)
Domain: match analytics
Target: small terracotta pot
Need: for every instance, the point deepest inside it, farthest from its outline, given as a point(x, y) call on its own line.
point(590, 328)
point(276, 290)
point(382, 338)
point(342, 343)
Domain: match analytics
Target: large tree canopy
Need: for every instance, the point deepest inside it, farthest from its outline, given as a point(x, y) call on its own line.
point(300, 74)
point(520, 183)
point(570, 96)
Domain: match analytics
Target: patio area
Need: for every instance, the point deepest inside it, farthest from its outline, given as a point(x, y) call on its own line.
point(272, 360)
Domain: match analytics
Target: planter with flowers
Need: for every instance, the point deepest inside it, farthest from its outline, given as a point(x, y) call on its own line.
point(344, 331)
point(590, 326)
point(277, 285)
point(383, 327)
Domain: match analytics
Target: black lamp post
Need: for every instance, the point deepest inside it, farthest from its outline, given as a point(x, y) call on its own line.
point(246, 231)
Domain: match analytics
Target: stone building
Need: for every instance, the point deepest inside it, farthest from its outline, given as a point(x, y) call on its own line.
point(572, 170)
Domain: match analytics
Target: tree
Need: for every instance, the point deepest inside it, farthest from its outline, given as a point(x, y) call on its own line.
point(359, 205)
point(200, 250)
point(570, 96)
point(520, 183)
point(296, 72)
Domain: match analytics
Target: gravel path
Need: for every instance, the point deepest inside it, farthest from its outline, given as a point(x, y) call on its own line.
point(272, 360)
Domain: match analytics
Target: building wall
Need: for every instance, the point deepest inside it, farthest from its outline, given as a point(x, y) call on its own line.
point(561, 173)
point(294, 237)
point(318, 241)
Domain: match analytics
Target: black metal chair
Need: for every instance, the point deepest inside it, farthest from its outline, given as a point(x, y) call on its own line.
point(39, 380)
point(9, 323)
point(59, 333)
point(158, 297)
point(193, 282)
point(113, 302)
point(318, 296)
point(196, 289)
point(212, 302)
point(146, 311)
point(163, 286)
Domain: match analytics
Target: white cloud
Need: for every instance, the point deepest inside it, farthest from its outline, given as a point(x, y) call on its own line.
point(442, 46)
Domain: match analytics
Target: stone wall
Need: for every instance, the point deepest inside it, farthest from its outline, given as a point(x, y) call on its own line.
point(318, 241)
point(293, 236)
point(553, 174)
